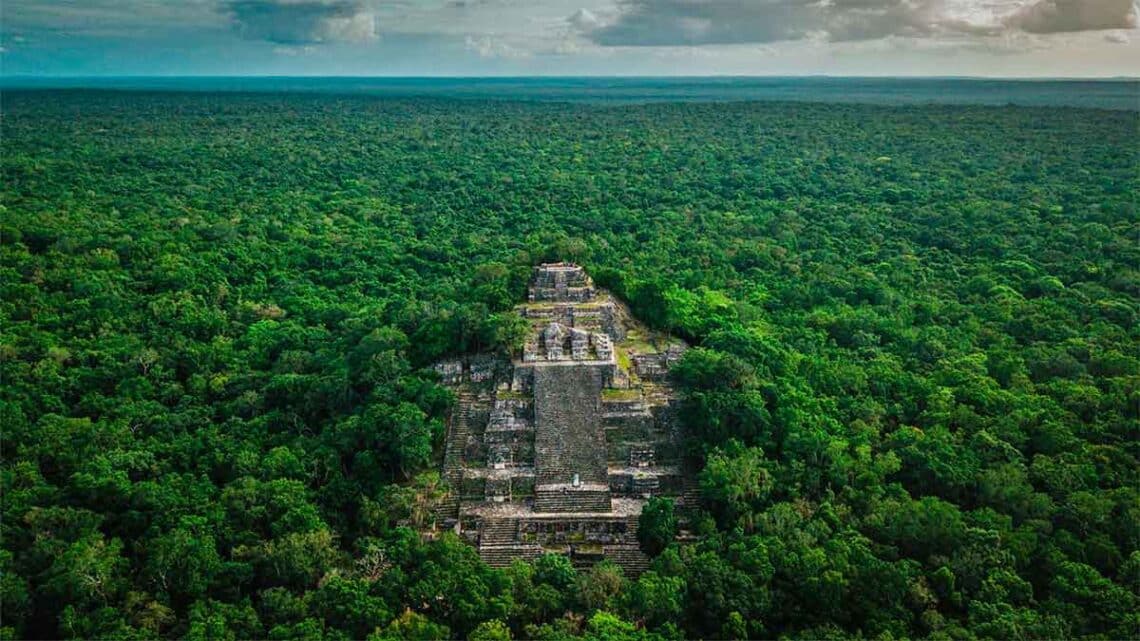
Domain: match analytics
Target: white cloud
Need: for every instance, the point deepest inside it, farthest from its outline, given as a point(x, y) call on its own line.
point(584, 19)
point(490, 47)
point(294, 51)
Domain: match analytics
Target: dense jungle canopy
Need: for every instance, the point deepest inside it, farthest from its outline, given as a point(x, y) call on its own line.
point(913, 399)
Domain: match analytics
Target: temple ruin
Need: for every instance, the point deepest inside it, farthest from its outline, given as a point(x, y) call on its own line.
point(558, 449)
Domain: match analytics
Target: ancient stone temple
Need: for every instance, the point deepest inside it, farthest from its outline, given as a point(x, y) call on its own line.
point(559, 449)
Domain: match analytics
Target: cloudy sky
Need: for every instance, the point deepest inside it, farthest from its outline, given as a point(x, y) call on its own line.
point(570, 37)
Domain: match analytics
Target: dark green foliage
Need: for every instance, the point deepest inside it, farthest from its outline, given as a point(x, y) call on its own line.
point(657, 525)
point(914, 396)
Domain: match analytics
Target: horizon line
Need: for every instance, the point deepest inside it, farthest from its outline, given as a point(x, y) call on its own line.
point(45, 77)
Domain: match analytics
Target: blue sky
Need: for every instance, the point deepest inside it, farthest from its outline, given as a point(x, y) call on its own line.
point(1072, 38)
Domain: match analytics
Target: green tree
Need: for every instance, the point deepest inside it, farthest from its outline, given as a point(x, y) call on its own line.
point(599, 587)
point(657, 525)
point(411, 626)
point(493, 630)
point(555, 570)
point(657, 599)
point(184, 561)
point(736, 483)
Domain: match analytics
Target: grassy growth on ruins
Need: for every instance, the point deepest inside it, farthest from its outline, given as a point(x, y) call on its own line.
point(913, 392)
point(611, 394)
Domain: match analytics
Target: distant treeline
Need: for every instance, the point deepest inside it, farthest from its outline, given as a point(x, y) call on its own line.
point(1117, 93)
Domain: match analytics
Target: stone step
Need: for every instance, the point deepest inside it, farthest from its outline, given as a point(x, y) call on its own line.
point(572, 501)
point(616, 414)
point(468, 404)
point(582, 564)
point(690, 498)
point(448, 508)
point(497, 532)
point(632, 560)
point(631, 527)
point(502, 555)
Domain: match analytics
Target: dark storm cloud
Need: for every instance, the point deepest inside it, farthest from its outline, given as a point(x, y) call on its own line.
point(711, 22)
point(303, 22)
point(1054, 16)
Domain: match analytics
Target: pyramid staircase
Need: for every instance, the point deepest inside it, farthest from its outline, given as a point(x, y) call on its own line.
point(572, 500)
point(690, 498)
point(630, 558)
point(500, 556)
point(569, 441)
point(458, 432)
point(498, 532)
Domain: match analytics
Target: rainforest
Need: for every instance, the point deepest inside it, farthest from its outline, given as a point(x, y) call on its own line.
point(911, 398)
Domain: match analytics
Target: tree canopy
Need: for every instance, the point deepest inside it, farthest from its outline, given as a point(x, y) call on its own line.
point(912, 401)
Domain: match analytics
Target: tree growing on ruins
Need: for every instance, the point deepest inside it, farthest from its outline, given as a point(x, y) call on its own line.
point(657, 525)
